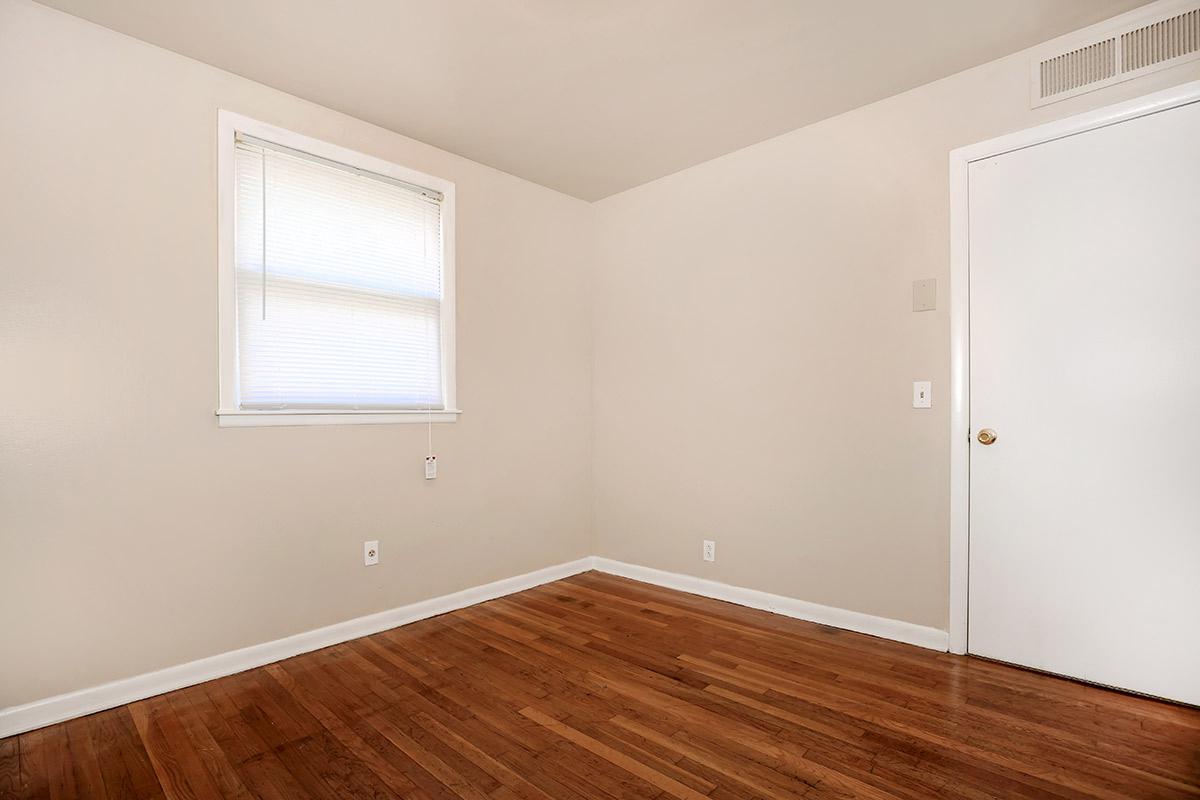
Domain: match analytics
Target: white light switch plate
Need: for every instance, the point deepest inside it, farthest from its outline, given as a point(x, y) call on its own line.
point(922, 394)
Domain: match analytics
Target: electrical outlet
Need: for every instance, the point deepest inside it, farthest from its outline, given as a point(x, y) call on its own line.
point(710, 550)
point(430, 467)
point(370, 553)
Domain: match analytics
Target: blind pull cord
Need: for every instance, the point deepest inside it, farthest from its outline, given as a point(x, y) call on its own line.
point(430, 458)
point(264, 235)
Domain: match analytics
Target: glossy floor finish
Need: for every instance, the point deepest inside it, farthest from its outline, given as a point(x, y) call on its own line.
point(601, 687)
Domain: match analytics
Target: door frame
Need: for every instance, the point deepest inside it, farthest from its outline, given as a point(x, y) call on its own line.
point(960, 297)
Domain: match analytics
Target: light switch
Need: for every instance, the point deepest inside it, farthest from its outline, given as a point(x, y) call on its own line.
point(925, 295)
point(922, 394)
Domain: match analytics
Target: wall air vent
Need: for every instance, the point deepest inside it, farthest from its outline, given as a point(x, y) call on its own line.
point(1146, 40)
point(1168, 40)
point(1078, 68)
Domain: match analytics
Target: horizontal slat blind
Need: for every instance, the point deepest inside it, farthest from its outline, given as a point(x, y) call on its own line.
point(339, 286)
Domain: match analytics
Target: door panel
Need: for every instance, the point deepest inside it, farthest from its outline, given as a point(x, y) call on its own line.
point(1085, 360)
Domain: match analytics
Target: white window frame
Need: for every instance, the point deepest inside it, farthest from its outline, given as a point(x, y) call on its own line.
point(228, 413)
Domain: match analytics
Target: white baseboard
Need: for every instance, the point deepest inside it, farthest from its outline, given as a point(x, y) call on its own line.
point(38, 714)
point(882, 627)
point(18, 719)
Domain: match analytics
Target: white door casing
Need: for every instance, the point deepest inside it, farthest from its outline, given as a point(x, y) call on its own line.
point(1074, 301)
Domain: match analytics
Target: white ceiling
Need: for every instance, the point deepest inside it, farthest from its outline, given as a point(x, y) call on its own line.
point(593, 96)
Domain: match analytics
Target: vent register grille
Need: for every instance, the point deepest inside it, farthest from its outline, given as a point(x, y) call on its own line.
point(1162, 41)
point(1078, 68)
point(1123, 54)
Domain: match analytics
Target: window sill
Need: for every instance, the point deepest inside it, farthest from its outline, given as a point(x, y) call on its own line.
point(261, 419)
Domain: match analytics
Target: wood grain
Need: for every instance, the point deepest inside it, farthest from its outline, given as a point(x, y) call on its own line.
point(601, 687)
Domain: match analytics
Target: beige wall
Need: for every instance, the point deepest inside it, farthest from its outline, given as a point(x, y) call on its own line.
point(136, 534)
point(755, 348)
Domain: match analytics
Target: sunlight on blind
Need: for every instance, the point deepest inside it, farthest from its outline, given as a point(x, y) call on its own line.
point(339, 287)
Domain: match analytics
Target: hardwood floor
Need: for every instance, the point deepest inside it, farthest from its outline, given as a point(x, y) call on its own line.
point(600, 687)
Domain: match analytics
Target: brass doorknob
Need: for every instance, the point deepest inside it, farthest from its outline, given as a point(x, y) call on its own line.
point(986, 436)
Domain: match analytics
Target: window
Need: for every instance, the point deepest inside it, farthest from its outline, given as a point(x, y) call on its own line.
point(336, 284)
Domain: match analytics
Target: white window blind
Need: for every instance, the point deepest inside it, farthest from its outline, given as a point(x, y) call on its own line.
point(339, 285)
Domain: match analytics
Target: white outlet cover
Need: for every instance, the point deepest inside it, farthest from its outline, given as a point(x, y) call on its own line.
point(370, 553)
point(710, 550)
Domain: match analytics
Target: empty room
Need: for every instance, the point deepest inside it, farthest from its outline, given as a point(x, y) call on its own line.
point(572, 399)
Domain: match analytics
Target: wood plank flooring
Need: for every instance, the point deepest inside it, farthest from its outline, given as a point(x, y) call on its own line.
point(600, 687)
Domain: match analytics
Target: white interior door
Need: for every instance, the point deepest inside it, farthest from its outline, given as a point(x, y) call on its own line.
point(1084, 554)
